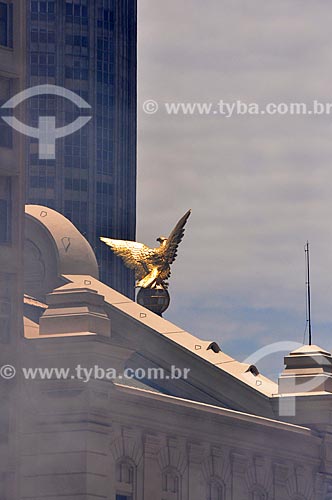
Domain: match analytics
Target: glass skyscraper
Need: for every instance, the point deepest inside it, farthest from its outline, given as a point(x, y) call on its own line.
point(88, 47)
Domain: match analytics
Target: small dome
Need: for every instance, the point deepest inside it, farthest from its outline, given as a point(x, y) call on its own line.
point(53, 248)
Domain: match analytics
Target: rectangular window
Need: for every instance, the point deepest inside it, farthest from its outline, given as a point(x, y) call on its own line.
point(42, 36)
point(5, 210)
point(7, 282)
point(34, 36)
point(34, 6)
point(6, 135)
point(6, 24)
point(6, 132)
point(43, 7)
point(42, 64)
point(123, 497)
point(34, 181)
point(69, 9)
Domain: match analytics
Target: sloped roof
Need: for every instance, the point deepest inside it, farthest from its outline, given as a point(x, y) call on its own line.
point(186, 340)
point(214, 376)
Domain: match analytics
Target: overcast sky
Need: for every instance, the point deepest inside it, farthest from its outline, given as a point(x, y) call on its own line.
point(258, 186)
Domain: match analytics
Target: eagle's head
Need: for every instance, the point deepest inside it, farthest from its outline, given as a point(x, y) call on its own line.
point(162, 239)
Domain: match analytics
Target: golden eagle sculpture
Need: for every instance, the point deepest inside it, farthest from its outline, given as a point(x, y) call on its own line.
point(152, 266)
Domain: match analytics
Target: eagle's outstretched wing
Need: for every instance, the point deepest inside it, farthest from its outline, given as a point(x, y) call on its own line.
point(133, 254)
point(174, 239)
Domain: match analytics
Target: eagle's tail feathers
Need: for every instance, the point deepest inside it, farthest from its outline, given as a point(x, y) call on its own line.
point(148, 280)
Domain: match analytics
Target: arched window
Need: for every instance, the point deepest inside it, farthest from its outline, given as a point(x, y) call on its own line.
point(257, 493)
point(125, 480)
point(216, 490)
point(125, 473)
point(171, 485)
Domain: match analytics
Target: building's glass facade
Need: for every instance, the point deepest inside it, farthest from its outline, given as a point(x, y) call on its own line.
point(88, 47)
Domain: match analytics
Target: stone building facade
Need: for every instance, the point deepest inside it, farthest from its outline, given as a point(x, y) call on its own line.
point(12, 40)
point(216, 434)
point(12, 197)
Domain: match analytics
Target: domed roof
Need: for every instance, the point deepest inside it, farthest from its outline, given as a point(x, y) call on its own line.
point(54, 247)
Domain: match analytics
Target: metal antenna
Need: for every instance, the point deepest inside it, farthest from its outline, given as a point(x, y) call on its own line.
point(308, 290)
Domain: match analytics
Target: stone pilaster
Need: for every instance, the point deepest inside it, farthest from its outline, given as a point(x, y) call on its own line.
point(196, 482)
point(152, 472)
point(280, 476)
point(239, 469)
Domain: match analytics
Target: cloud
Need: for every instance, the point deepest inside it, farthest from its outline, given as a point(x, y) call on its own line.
point(260, 186)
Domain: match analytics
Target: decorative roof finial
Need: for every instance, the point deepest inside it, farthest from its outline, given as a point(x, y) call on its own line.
point(152, 266)
point(307, 255)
